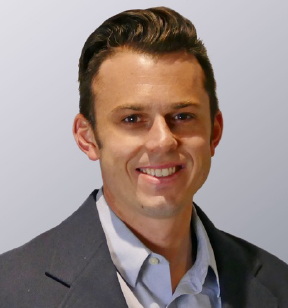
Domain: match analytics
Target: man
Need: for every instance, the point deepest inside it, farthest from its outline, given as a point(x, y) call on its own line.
point(149, 113)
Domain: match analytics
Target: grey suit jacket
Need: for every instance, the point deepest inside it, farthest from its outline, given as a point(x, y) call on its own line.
point(70, 267)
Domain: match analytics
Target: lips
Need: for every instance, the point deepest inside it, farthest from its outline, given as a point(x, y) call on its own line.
point(160, 172)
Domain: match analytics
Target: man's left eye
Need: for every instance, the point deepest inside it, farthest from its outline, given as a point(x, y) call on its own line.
point(132, 119)
point(183, 117)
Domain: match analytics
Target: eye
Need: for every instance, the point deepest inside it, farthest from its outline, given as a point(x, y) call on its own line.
point(183, 117)
point(133, 118)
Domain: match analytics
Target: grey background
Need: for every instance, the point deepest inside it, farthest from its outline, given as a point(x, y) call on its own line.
point(44, 177)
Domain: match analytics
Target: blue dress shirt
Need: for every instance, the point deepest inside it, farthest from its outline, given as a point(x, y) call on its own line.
point(147, 274)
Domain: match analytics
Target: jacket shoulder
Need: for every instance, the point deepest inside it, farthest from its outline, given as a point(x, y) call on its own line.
point(270, 271)
point(25, 280)
point(22, 279)
point(26, 258)
point(269, 261)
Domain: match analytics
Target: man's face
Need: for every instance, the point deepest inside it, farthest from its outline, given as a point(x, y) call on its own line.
point(153, 121)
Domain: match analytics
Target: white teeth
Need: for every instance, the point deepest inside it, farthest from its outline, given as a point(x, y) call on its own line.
point(165, 172)
point(159, 172)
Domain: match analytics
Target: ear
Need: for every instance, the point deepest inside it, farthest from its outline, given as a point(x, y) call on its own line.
point(216, 131)
point(84, 137)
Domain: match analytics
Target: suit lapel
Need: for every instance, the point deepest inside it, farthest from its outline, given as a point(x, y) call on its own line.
point(237, 266)
point(259, 296)
point(81, 261)
point(97, 286)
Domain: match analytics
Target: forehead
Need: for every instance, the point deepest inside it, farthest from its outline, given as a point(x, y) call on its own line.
point(129, 75)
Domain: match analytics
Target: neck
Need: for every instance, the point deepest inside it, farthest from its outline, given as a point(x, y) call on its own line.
point(168, 237)
point(172, 241)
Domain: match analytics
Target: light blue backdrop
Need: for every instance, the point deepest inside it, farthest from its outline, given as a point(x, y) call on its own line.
point(44, 177)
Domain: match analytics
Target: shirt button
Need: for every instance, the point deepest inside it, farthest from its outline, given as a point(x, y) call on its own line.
point(154, 261)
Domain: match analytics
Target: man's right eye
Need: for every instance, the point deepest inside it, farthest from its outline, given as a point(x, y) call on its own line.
point(132, 119)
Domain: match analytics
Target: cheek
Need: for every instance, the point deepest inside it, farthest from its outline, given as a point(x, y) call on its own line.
point(198, 146)
point(203, 160)
point(119, 150)
point(200, 154)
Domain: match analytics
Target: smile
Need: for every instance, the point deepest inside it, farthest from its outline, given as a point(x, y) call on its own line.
point(160, 172)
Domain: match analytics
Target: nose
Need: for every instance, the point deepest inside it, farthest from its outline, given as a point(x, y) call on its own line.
point(160, 138)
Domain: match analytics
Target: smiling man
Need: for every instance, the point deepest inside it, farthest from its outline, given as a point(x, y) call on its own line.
point(149, 113)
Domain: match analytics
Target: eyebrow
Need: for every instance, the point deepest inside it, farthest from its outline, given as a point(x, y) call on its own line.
point(136, 107)
point(140, 107)
point(181, 105)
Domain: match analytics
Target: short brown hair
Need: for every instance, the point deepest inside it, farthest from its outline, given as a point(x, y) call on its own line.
point(155, 31)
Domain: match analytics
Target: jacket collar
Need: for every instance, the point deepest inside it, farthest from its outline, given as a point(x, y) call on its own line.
point(238, 267)
point(81, 261)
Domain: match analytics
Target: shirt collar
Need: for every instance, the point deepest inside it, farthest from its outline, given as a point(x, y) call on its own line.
point(128, 253)
point(205, 258)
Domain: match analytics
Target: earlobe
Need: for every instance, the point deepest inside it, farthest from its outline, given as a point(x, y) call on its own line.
point(84, 137)
point(217, 131)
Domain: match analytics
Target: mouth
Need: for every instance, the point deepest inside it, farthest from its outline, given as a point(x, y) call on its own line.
point(160, 172)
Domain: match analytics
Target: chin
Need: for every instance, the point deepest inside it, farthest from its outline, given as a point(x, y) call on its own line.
point(160, 207)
